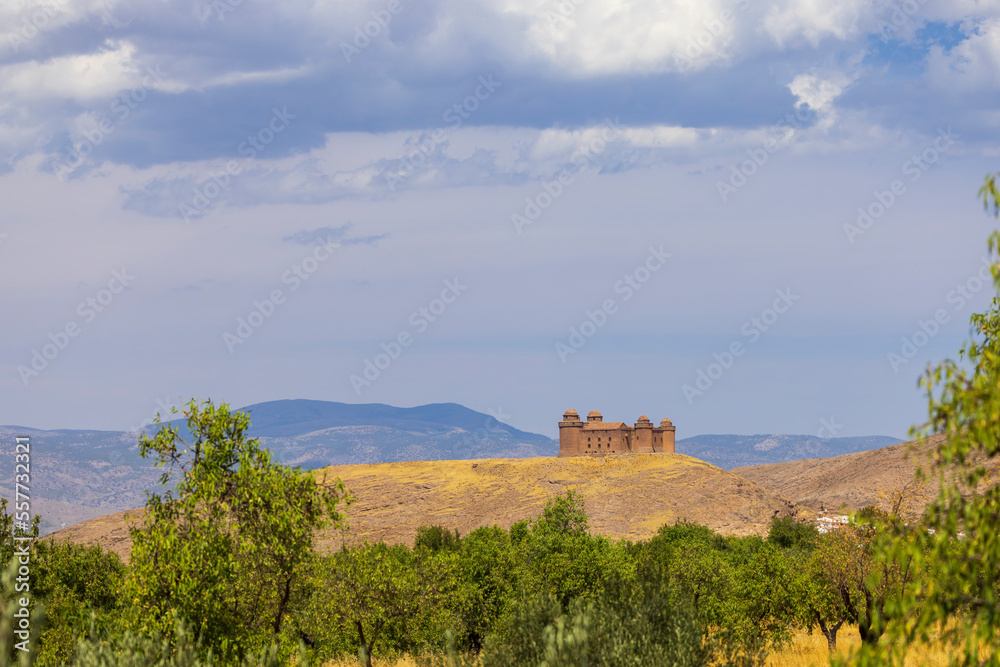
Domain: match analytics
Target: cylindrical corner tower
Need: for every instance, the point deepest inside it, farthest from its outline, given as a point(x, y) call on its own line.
point(669, 431)
point(570, 429)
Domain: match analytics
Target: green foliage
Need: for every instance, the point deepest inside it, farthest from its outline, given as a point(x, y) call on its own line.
point(558, 554)
point(436, 538)
point(488, 580)
point(81, 587)
point(180, 649)
point(742, 587)
point(624, 627)
point(228, 551)
point(787, 533)
point(818, 600)
point(377, 600)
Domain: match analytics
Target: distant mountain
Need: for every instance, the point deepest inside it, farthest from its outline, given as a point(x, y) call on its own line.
point(312, 434)
point(78, 475)
point(733, 451)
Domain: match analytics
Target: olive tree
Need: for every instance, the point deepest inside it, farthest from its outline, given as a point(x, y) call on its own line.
point(225, 548)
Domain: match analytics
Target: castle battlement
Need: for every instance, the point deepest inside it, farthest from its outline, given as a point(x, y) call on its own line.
point(596, 437)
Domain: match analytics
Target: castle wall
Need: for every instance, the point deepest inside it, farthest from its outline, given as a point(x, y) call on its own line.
point(643, 443)
point(598, 438)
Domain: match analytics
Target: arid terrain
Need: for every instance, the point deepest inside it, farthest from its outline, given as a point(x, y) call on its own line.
point(850, 481)
point(627, 497)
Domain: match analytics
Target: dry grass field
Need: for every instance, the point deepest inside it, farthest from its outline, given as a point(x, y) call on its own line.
point(626, 497)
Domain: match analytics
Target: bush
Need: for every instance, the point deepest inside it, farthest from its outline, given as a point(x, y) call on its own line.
point(181, 649)
point(625, 627)
point(436, 538)
point(788, 533)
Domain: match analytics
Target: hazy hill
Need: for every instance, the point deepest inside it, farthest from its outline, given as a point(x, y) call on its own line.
point(732, 451)
point(626, 496)
point(312, 434)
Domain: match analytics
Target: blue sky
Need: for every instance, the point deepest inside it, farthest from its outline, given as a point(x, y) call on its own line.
point(750, 217)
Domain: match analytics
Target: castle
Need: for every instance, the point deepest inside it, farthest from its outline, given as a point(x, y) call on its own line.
point(597, 437)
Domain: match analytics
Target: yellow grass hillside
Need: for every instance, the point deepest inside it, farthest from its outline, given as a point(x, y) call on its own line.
point(627, 496)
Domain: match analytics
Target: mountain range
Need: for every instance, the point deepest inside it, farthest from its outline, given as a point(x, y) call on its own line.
point(82, 474)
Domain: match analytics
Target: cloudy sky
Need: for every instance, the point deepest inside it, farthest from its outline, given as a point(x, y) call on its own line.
point(751, 216)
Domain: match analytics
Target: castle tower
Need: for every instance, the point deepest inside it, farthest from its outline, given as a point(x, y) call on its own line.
point(570, 430)
point(643, 441)
point(669, 432)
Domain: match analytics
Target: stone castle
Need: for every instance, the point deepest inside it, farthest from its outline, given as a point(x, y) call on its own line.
point(596, 437)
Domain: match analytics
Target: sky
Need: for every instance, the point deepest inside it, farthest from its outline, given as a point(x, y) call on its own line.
point(748, 216)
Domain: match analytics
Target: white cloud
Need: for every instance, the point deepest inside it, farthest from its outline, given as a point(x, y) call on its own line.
point(84, 77)
point(819, 90)
point(972, 65)
point(811, 21)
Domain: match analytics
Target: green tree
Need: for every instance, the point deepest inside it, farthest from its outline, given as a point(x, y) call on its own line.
point(436, 538)
point(488, 582)
point(869, 580)
point(623, 626)
point(81, 589)
point(819, 602)
point(384, 599)
point(787, 533)
point(557, 552)
point(959, 601)
point(226, 547)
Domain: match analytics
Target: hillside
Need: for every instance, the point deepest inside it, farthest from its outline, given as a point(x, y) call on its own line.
point(732, 451)
point(850, 480)
point(628, 496)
